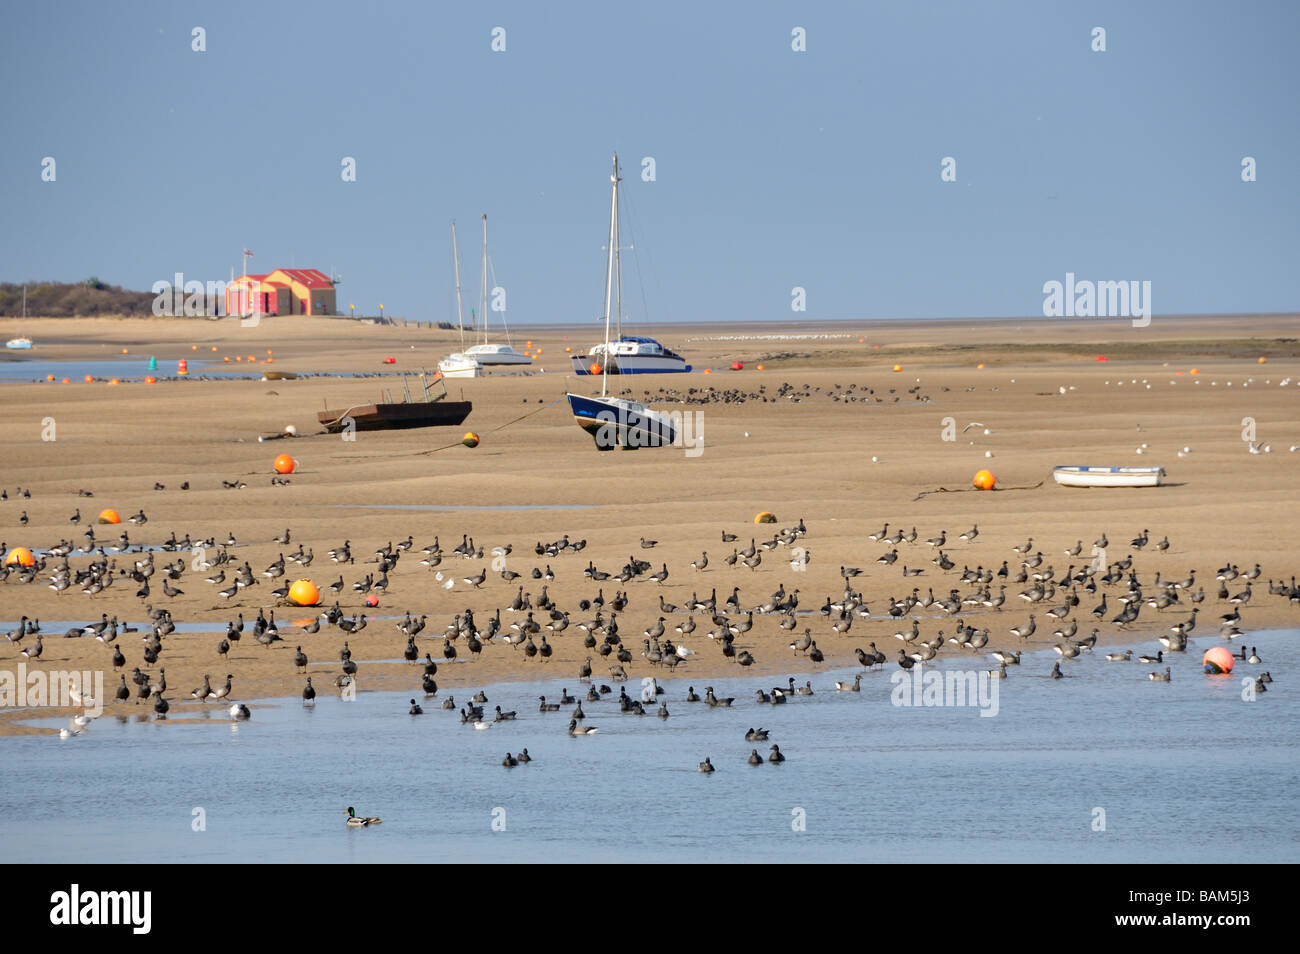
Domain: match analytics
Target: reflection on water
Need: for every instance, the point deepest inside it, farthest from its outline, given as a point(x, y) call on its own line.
point(1184, 771)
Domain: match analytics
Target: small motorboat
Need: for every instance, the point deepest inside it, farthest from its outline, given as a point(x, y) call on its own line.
point(19, 344)
point(1081, 476)
point(460, 365)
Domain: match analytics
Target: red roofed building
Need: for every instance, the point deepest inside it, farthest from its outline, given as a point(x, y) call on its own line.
point(285, 291)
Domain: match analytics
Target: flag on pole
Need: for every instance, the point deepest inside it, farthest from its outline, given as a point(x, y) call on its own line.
point(248, 253)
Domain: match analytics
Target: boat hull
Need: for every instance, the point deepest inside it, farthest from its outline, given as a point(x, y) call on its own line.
point(380, 417)
point(459, 366)
point(631, 364)
point(615, 422)
point(490, 355)
point(1108, 476)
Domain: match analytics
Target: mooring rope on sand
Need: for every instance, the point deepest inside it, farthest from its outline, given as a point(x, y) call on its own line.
point(958, 490)
point(501, 427)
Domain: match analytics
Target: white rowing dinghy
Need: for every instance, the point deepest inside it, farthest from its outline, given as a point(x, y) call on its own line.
point(1078, 476)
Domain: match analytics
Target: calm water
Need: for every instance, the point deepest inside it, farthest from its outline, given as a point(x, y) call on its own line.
point(1185, 771)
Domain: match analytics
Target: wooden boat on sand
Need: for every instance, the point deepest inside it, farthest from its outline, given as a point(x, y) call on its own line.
point(432, 409)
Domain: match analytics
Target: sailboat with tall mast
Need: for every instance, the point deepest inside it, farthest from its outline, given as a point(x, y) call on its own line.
point(614, 421)
point(459, 365)
point(488, 353)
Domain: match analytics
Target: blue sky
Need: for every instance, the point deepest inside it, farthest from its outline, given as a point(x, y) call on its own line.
point(774, 168)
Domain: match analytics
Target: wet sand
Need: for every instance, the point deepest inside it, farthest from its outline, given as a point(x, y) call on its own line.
point(540, 478)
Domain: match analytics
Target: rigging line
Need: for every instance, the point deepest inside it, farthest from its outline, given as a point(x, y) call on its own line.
point(636, 259)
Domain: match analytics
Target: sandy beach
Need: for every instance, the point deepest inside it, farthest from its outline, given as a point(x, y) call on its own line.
point(827, 433)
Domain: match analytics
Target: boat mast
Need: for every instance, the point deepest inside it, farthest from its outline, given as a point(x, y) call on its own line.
point(611, 269)
point(483, 299)
point(460, 314)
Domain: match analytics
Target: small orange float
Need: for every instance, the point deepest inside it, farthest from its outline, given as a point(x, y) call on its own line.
point(470, 439)
point(984, 480)
point(284, 464)
point(765, 517)
point(20, 556)
point(1217, 661)
point(151, 380)
point(109, 516)
point(595, 368)
point(898, 367)
point(304, 593)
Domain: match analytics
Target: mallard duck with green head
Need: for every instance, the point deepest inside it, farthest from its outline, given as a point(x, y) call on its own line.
point(357, 821)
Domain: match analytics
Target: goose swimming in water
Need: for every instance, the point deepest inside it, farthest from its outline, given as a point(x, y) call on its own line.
point(706, 766)
point(1120, 657)
point(776, 758)
point(1159, 677)
point(754, 757)
point(577, 730)
point(756, 735)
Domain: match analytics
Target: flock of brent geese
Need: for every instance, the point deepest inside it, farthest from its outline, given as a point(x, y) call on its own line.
point(836, 393)
point(1055, 604)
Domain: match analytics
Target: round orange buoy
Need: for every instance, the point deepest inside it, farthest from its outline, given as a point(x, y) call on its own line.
point(239, 358)
point(1195, 371)
point(253, 358)
point(1102, 357)
point(372, 600)
point(151, 380)
point(568, 350)
point(20, 556)
point(875, 347)
point(760, 367)
point(470, 439)
point(979, 367)
point(984, 480)
point(537, 351)
point(214, 347)
point(109, 516)
point(765, 516)
point(708, 370)
point(737, 366)
point(182, 366)
point(268, 351)
point(898, 367)
point(226, 359)
point(1263, 360)
point(862, 341)
point(304, 593)
point(1217, 661)
point(529, 344)
point(113, 381)
point(49, 377)
point(284, 464)
point(66, 381)
point(595, 368)
point(90, 378)
point(124, 351)
point(390, 360)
